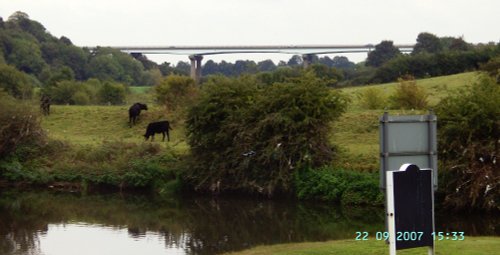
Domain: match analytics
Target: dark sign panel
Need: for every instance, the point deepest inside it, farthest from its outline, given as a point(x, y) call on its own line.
point(410, 202)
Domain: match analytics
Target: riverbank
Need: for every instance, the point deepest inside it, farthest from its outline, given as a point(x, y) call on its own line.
point(469, 246)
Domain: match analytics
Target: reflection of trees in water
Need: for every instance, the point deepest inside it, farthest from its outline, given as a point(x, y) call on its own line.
point(197, 225)
point(18, 231)
point(221, 225)
point(471, 224)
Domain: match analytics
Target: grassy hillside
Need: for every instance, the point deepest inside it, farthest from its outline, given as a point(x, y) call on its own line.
point(437, 87)
point(90, 125)
point(356, 132)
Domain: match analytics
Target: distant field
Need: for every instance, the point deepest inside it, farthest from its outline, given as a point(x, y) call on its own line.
point(140, 94)
point(139, 89)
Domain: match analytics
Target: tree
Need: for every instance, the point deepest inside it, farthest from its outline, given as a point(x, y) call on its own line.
point(182, 68)
point(266, 66)
point(26, 56)
point(330, 76)
point(15, 82)
point(427, 42)
point(469, 131)
point(165, 68)
point(382, 53)
point(295, 60)
point(342, 62)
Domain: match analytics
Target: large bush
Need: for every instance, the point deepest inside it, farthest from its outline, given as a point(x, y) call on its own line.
point(469, 141)
point(252, 139)
point(176, 91)
point(372, 98)
point(19, 123)
point(112, 93)
point(408, 95)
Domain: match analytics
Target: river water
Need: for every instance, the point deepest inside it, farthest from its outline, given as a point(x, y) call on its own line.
point(52, 223)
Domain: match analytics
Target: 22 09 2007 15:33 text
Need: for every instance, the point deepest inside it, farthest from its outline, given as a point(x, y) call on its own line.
point(411, 236)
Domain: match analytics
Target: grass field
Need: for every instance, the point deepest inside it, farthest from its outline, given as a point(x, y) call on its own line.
point(437, 87)
point(91, 125)
point(355, 133)
point(469, 246)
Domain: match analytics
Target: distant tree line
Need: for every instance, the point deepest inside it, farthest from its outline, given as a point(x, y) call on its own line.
point(431, 56)
point(30, 48)
point(31, 57)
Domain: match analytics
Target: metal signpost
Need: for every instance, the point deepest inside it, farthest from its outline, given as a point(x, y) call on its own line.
point(407, 143)
point(408, 139)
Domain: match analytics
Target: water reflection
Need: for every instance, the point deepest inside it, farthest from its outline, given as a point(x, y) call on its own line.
point(86, 239)
point(48, 223)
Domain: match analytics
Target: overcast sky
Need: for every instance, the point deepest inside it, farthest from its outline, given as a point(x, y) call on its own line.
point(257, 22)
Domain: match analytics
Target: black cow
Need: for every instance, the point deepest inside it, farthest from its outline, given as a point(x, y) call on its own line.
point(45, 104)
point(158, 127)
point(134, 111)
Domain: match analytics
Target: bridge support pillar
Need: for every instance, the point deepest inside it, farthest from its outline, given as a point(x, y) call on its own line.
point(196, 67)
point(307, 60)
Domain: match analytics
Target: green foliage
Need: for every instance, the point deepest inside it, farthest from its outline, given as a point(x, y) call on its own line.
point(330, 76)
point(492, 67)
point(19, 123)
point(281, 74)
point(28, 46)
point(469, 131)
point(427, 64)
point(372, 98)
point(341, 186)
point(408, 95)
point(118, 164)
point(112, 93)
point(88, 92)
point(112, 64)
point(427, 42)
point(14, 82)
point(285, 124)
point(383, 52)
point(176, 91)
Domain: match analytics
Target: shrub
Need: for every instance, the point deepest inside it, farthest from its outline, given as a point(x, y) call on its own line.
point(408, 95)
point(19, 123)
point(336, 185)
point(112, 93)
point(469, 137)
point(252, 139)
point(372, 98)
point(176, 91)
point(492, 68)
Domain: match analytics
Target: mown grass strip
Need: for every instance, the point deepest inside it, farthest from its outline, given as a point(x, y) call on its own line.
point(469, 246)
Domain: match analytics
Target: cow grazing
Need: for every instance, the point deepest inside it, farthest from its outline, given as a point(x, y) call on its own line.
point(45, 105)
point(158, 127)
point(134, 111)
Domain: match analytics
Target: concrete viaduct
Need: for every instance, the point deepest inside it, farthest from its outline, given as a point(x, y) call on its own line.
point(196, 53)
